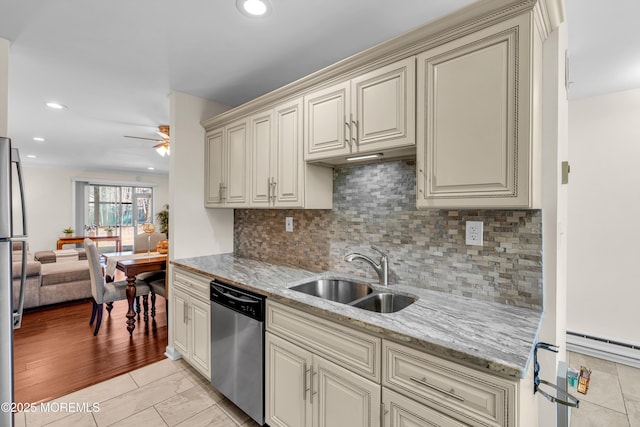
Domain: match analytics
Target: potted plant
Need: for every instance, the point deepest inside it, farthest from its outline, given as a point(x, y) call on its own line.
point(68, 232)
point(163, 220)
point(109, 230)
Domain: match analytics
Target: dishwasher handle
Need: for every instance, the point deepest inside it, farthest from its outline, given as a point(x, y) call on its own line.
point(219, 291)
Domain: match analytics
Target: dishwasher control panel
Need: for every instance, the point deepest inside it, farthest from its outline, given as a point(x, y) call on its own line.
point(241, 300)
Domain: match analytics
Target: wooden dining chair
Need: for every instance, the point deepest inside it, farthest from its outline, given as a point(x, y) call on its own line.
point(107, 292)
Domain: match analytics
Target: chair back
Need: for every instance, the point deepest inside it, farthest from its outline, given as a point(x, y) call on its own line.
point(95, 271)
point(141, 241)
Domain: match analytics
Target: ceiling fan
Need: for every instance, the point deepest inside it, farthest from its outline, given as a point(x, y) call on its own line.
point(163, 147)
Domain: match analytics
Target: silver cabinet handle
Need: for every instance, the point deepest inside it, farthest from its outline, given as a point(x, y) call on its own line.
point(451, 393)
point(311, 388)
point(383, 414)
point(304, 382)
point(223, 188)
point(347, 127)
point(355, 124)
point(273, 186)
point(185, 311)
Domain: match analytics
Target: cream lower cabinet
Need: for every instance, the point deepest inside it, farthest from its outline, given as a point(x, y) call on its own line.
point(369, 113)
point(320, 373)
point(304, 389)
point(478, 119)
point(327, 378)
point(226, 167)
point(190, 310)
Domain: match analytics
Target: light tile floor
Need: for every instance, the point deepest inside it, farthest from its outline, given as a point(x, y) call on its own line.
point(171, 393)
point(166, 393)
point(613, 398)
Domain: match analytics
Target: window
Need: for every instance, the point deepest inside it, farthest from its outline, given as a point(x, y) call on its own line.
point(122, 208)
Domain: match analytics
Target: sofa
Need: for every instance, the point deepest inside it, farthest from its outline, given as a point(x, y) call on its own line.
point(51, 280)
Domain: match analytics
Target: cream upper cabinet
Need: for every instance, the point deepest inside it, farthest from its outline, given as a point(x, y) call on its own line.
point(476, 119)
point(226, 180)
point(371, 112)
point(327, 122)
point(278, 170)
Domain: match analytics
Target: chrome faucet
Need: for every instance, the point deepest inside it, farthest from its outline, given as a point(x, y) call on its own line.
point(382, 268)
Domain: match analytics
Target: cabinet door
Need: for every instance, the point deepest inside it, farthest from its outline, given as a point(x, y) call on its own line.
point(327, 125)
point(287, 165)
point(400, 411)
point(474, 129)
point(214, 168)
point(236, 188)
point(200, 329)
point(261, 140)
point(342, 398)
point(180, 313)
point(287, 386)
point(383, 107)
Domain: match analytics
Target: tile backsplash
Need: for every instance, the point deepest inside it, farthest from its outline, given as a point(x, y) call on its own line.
point(374, 204)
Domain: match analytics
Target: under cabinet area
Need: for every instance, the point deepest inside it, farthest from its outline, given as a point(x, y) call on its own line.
point(478, 119)
point(321, 373)
point(191, 314)
point(369, 113)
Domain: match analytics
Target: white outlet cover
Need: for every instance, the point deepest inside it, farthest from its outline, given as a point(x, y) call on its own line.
point(288, 223)
point(474, 232)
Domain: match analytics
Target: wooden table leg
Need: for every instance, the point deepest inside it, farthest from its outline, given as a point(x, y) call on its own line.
point(131, 296)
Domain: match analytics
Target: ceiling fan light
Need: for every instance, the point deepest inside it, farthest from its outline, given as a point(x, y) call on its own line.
point(162, 150)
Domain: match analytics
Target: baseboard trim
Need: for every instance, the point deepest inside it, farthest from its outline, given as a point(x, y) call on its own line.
point(172, 354)
point(627, 354)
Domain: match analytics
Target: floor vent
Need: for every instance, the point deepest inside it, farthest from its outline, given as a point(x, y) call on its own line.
point(603, 348)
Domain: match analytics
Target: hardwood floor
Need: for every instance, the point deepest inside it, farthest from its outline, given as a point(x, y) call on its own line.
point(55, 352)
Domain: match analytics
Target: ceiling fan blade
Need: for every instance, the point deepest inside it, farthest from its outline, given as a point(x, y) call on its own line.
point(162, 144)
point(139, 137)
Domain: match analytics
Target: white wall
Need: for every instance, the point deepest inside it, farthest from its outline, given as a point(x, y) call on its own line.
point(193, 229)
point(4, 86)
point(49, 198)
point(604, 203)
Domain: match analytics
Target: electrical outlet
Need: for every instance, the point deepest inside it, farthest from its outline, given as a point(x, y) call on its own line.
point(474, 233)
point(288, 224)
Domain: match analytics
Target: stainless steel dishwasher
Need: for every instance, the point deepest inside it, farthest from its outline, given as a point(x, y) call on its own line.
point(237, 347)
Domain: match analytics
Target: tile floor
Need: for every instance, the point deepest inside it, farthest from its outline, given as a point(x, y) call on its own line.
point(613, 398)
point(166, 393)
point(170, 393)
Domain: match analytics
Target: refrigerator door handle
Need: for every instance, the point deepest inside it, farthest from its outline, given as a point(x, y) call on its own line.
point(17, 314)
point(15, 158)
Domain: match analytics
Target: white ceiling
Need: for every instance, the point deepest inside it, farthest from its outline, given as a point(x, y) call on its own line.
point(114, 63)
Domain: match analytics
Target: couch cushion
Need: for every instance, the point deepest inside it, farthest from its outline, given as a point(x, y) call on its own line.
point(54, 273)
point(33, 268)
point(46, 257)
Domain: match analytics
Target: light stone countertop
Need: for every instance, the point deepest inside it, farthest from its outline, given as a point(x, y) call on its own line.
point(486, 335)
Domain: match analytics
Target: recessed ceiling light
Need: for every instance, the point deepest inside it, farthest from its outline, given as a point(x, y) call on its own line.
point(56, 106)
point(31, 156)
point(254, 8)
point(150, 168)
point(39, 139)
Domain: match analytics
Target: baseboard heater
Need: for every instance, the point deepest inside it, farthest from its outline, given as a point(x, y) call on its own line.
point(603, 348)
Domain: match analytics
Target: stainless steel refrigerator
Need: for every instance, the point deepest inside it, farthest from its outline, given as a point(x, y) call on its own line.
point(12, 229)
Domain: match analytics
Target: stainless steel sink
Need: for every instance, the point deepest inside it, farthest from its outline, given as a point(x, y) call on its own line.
point(343, 291)
point(385, 302)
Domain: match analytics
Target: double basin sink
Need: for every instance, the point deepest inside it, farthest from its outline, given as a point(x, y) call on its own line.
point(355, 294)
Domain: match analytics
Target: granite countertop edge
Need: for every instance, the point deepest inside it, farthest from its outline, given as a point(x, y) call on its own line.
point(490, 336)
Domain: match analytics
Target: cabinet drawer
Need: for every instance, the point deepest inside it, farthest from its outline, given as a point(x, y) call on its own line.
point(192, 283)
point(402, 411)
point(468, 395)
point(346, 347)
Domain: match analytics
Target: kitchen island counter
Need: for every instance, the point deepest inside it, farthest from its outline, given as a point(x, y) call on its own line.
point(489, 336)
